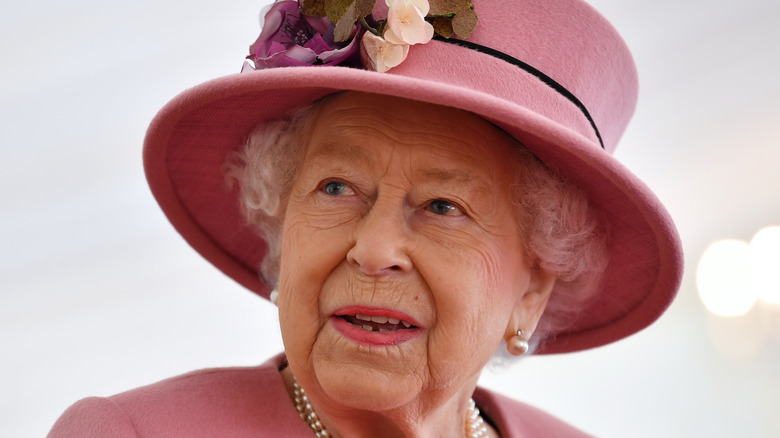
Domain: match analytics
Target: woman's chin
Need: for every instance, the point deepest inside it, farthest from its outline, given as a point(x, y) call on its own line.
point(360, 388)
point(372, 371)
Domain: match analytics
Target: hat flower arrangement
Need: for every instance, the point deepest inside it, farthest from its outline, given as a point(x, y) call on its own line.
point(344, 32)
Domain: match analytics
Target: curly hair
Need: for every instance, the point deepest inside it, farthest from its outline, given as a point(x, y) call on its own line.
point(562, 230)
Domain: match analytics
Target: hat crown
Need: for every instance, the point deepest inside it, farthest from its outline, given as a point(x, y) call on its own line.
point(566, 40)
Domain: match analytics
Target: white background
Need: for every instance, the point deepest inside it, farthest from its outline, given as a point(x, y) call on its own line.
point(98, 294)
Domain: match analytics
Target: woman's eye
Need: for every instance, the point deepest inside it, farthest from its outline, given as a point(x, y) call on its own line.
point(444, 208)
point(336, 188)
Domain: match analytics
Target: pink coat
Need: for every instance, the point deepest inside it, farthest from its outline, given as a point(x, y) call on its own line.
point(248, 402)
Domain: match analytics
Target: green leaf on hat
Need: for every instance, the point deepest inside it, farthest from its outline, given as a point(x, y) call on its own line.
point(345, 25)
point(452, 16)
point(335, 9)
point(345, 13)
point(364, 8)
point(464, 23)
point(313, 8)
point(448, 7)
point(442, 7)
point(442, 26)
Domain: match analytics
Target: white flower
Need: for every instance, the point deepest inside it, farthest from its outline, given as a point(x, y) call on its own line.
point(406, 22)
point(383, 54)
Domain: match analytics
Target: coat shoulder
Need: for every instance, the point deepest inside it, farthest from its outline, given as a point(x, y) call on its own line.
point(229, 402)
point(94, 417)
point(520, 420)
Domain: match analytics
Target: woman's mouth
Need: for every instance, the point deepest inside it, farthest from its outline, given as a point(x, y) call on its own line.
point(378, 323)
point(375, 327)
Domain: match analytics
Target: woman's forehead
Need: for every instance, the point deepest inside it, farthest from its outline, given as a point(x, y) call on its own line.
point(353, 110)
point(360, 125)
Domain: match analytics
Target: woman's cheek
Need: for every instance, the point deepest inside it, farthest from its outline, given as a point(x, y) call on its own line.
point(313, 246)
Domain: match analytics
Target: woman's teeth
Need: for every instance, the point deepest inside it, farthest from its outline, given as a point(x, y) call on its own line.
point(379, 319)
point(382, 320)
point(377, 323)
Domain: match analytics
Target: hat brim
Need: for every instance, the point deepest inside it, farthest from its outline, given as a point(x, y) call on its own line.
point(190, 138)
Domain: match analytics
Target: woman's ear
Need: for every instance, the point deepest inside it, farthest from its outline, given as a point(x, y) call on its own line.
point(532, 302)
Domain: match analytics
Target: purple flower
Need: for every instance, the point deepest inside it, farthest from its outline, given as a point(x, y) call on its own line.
point(290, 38)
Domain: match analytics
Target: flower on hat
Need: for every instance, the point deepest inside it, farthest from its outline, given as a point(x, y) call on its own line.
point(332, 32)
point(405, 26)
point(406, 22)
point(381, 54)
point(290, 38)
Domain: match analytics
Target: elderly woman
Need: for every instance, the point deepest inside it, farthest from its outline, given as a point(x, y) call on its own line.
point(414, 204)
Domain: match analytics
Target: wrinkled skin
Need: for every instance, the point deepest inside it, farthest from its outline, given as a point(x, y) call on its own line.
point(404, 206)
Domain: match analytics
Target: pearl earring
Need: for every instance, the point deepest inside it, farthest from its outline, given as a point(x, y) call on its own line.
point(274, 297)
point(518, 344)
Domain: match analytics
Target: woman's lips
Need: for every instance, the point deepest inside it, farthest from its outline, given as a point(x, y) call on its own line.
point(374, 326)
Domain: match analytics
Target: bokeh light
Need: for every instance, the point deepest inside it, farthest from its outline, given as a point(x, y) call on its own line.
point(763, 265)
point(721, 278)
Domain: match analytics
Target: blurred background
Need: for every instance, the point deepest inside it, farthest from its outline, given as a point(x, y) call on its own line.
point(98, 294)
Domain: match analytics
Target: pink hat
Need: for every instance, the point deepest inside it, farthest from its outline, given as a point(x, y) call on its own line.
point(552, 73)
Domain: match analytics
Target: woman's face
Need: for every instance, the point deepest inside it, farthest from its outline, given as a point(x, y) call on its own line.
point(401, 263)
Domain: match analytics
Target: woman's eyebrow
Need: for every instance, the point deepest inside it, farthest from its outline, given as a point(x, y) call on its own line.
point(360, 156)
point(342, 151)
point(459, 176)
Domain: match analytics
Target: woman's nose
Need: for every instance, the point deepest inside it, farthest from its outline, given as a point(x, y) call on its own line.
point(380, 244)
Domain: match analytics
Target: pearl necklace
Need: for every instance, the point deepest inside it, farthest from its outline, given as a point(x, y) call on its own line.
point(475, 425)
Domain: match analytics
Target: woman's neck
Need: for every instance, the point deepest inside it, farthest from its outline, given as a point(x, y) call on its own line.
point(416, 419)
